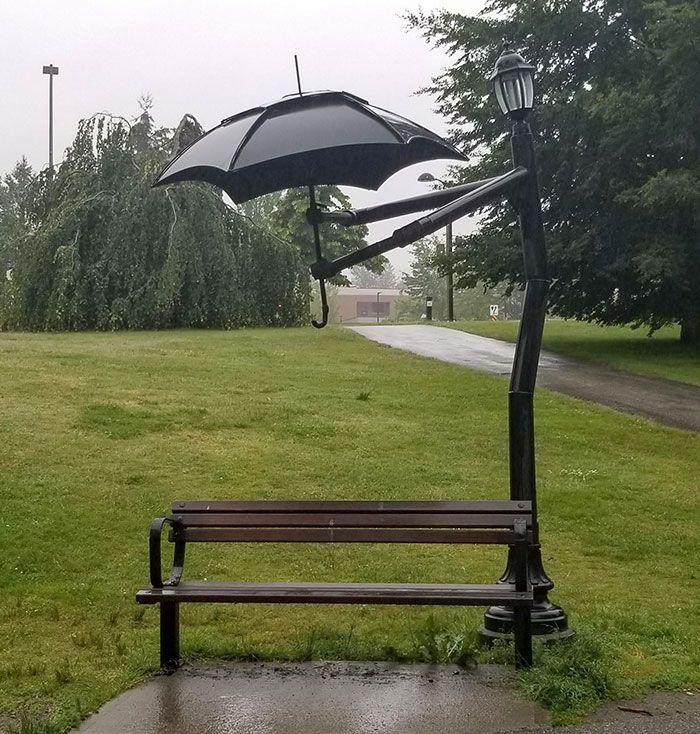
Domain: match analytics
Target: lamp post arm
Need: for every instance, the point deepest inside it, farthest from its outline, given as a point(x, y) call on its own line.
point(491, 190)
point(352, 217)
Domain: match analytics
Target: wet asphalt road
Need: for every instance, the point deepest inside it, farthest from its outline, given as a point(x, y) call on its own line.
point(669, 402)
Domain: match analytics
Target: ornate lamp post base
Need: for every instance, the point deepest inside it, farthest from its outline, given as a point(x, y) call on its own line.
point(549, 623)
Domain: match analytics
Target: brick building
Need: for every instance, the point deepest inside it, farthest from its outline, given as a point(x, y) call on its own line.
point(367, 305)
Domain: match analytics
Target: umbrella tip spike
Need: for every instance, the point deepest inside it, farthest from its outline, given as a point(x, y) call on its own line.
point(296, 66)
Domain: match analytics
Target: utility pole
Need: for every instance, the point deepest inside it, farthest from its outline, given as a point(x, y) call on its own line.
point(52, 71)
point(450, 287)
point(423, 178)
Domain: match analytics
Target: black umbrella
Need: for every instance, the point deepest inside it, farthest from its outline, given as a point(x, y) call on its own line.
point(303, 140)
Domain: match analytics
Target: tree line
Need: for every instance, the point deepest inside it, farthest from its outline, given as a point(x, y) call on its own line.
point(617, 127)
point(92, 246)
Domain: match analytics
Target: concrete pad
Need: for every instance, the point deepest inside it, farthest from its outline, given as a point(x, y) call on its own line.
point(320, 698)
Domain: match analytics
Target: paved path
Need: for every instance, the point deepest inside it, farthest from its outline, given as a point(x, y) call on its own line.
point(362, 698)
point(666, 401)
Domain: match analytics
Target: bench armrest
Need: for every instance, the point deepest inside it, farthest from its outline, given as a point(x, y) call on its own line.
point(155, 555)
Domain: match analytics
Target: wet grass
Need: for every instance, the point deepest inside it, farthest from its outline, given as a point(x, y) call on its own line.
point(101, 432)
point(660, 355)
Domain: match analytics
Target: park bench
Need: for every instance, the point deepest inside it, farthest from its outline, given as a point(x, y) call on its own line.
point(507, 523)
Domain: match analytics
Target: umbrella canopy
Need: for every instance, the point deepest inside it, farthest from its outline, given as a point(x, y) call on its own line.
point(303, 140)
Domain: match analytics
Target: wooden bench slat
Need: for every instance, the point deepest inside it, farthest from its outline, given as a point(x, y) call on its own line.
point(334, 593)
point(336, 506)
point(347, 535)
point(348, 519)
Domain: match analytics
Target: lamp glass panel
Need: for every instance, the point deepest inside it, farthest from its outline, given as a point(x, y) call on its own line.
point(511, 90)
point(498, 88)
point(527, 87)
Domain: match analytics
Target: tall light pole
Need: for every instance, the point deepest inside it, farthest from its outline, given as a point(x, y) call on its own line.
point(424, 177)
point(52, 71)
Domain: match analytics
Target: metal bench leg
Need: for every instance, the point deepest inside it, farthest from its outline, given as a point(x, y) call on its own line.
point(523, 637)
point(169, 636)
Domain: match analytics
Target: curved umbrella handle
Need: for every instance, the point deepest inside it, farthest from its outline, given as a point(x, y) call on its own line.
point(324, 306)
point(313, 208)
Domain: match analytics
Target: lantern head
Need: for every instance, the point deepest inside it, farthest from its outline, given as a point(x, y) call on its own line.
point(512, 81)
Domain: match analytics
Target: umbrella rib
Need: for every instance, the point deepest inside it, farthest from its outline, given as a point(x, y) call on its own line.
point(248, 135)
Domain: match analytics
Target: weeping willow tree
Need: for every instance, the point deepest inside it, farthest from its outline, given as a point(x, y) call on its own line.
point(91, 246)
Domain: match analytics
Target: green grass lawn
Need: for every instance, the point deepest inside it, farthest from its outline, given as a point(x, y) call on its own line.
point(101, 432)
point(620, 347)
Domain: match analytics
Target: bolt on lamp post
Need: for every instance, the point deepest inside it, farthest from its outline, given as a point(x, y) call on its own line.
point(513, 85)
point(424, 178)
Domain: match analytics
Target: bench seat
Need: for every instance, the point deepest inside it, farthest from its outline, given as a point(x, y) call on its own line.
point(333, 593)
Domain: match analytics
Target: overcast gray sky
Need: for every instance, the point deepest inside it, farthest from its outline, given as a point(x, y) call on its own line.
point(211, 58)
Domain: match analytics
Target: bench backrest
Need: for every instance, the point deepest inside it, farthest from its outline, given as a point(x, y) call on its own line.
point(343, 521)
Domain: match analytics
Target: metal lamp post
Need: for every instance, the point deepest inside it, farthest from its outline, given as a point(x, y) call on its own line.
point(52, 71)
point(513, 84)
point(427, 177)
